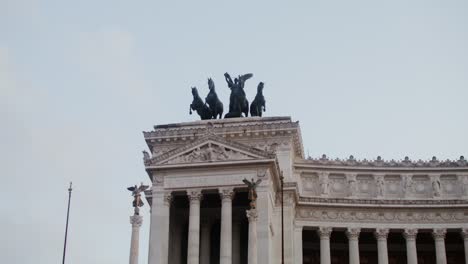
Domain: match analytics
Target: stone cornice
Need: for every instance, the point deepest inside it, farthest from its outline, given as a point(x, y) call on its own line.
point(208, 138)
point(232, 127)
point(406, 163)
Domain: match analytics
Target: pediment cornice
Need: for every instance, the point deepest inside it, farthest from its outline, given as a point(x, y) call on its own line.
point(209, 148)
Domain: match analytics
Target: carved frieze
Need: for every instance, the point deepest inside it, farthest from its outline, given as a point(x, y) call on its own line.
point(381, 215)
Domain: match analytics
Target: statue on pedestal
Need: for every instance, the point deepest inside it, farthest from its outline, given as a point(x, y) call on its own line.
point(136, 193)
point(252, 185)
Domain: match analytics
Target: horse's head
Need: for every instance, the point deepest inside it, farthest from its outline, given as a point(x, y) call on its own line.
point(211, 85)
point(194, 91)
point(260, 87)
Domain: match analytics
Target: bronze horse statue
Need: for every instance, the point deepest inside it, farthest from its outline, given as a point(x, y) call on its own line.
point(258, 104)
point(238, 103)
point(197, 105)
point(215, 105)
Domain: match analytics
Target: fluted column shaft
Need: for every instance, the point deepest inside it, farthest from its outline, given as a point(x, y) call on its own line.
point(298, 244)
point(353, 244)
point(411, 253)
point(226, 226)
point(324, 233)
point(194, 227)
point(205, 242)
point(381, 235)
point(136, 222)
point(464, 234)
point(236, 230)
point(252, 215)
point(439, 239)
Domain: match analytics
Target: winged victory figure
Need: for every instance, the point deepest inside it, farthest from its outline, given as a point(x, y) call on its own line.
point(136, 193)
point(252, 185)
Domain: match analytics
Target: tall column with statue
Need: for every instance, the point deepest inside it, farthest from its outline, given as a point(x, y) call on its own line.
point(252, 215)
point(136, 220)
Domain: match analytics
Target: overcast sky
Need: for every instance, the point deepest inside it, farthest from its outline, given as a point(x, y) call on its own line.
point(80, 81)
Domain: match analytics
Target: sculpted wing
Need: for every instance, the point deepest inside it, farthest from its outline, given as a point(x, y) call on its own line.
point(247, 182)
point(142, 188)
point(258, 182)
point(131, 188)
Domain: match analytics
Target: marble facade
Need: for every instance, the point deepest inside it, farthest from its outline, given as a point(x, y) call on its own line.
point(336, 211)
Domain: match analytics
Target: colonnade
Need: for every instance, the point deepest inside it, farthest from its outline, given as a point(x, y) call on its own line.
point(381, 235)
point(198, 248)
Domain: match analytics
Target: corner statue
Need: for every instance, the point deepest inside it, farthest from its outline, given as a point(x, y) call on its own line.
point(252, 185)
point(258, 104)
point(136, 193)
point(238, 103)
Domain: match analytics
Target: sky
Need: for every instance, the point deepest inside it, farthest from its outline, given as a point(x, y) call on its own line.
point(81, 80)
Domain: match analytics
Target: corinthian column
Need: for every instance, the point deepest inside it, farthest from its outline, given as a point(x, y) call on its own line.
point(194, 227)
point(159, 232)
point(136, 222)
point(252, 215)
point(381, 235)
point(324, 233)
point(411, 253)
point(439, 238)
point(353, 243)
point(465, 242)
point(225, 254)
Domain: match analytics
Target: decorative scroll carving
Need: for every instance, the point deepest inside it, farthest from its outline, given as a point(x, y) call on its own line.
point(381, 233)
point(136, 220)
point(226, 193)
point(194, 195)
point(325, 232)
point(439, 233)
point(353, 233)
point(410, 234)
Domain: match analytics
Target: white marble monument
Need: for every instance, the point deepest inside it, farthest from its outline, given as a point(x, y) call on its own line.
point(335, 211)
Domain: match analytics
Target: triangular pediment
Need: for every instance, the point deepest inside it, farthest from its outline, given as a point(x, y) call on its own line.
point(210, 148)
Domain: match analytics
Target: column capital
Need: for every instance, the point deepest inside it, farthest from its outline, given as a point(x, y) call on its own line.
point(226, 193)
point(439, 233)
point(464, 233)
point(136, 220)
point(252, 215)
point(410, 233)
point(381, 233)
point(195, 195)
point(353, 233)
point(325, 232)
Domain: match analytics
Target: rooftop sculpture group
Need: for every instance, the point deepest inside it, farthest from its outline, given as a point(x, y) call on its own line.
point(212, 108)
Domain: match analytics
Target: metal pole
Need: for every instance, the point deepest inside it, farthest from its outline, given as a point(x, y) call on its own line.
point(66, 226)
point(282, 220)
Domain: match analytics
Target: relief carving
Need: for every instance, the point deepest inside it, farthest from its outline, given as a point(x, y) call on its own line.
point(209, 153)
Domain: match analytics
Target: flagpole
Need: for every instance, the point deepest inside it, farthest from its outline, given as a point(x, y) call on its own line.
point(66, 226)
point(282, 218)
